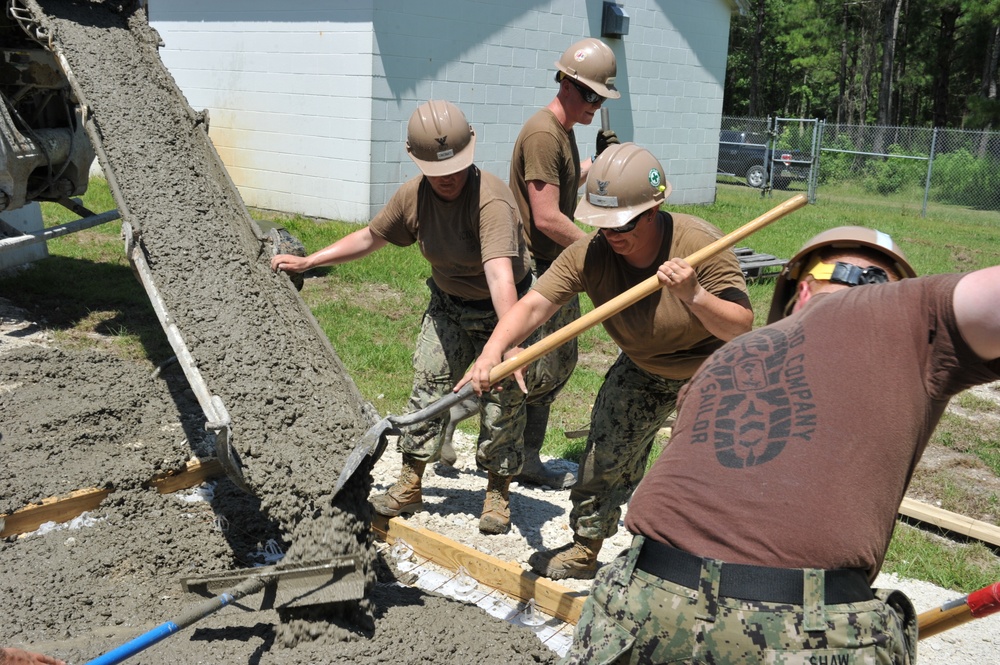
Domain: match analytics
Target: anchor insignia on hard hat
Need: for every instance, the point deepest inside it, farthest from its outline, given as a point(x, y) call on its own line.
point(441, 140)
point(602, 187)
point(654, 178)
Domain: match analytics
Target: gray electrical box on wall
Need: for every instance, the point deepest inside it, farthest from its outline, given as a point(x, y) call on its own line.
point(614, 22)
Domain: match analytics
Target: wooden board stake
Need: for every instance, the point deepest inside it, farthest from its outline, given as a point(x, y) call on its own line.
point(66, 507)
point(550, 597)
point(54, 509)
point(960, 524)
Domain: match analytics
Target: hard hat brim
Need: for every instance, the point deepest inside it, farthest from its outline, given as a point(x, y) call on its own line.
point(609, 217)
point(458, 162)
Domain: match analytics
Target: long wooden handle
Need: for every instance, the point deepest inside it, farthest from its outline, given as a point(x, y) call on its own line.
point(638, 292)
point(977, 604)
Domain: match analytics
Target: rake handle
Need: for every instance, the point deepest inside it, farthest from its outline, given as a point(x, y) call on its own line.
point(645, 288)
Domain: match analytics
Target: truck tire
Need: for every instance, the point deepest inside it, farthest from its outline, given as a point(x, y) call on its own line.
point(756, 176)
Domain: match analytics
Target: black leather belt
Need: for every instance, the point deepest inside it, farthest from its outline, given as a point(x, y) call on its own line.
point(754, 583)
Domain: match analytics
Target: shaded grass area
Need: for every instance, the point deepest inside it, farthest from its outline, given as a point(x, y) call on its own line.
point(86, 294)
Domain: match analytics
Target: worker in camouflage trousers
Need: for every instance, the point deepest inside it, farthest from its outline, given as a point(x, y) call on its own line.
point(467, 226)
point(761, 526)
point(663, 338)
point(546, 173)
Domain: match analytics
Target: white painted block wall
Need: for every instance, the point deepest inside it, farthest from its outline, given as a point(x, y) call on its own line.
point(288, 89)
point(309, 104)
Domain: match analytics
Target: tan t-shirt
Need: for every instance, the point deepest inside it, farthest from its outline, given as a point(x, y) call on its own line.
point(794, 443)
point(457, 237)
point(658, 333)
point(545, 151)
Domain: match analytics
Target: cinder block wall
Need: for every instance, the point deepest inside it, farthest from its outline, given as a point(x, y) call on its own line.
point(288, 88)
point(309, 103)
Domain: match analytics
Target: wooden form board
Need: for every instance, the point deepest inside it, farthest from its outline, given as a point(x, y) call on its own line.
point(960, 524)
point(550, 597)
point(66, 507)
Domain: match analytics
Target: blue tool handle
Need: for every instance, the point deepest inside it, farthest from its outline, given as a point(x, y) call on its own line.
point(140, 643)
point(199, 611)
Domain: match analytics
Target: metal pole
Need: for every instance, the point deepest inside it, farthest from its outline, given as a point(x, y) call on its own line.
point(816, 151)
point(56, 231)
point(930, 168)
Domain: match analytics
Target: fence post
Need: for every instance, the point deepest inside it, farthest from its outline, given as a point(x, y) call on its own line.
point(930, 169)
point(818, 127)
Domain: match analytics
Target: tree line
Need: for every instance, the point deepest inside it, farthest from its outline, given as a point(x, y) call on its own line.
point(867, 62)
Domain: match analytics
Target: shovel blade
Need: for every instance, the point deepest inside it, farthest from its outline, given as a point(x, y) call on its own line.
point(333, 581)
point(372, 444)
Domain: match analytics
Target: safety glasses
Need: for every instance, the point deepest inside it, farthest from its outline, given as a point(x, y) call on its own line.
point(588, 95)
point(628, 228)
point(849, 274)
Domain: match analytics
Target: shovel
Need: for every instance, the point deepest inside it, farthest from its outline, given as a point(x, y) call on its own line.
point(374, 441)
point(976, 605)
point(336, 580)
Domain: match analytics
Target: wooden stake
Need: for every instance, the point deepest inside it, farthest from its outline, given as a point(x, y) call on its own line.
point(550, 597)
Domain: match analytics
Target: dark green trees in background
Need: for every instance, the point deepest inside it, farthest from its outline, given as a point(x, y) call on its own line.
point(882, 62)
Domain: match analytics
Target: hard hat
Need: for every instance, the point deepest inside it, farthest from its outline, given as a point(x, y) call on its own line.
point(591, 62)
point(841, 237)
point(626, 180)
point(439, 140)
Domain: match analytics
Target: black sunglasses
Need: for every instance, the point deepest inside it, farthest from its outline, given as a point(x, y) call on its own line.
point(628, 228)
point(588, 95)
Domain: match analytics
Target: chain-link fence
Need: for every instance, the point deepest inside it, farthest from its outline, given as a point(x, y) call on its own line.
point(908, 164)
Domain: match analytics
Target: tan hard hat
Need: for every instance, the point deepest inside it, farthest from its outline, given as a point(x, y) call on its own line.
point(439, 140)
point(591, 62)
point(845, 237)
point(626, 180)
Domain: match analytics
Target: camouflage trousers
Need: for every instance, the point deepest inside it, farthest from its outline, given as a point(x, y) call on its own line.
point(630, 409)
point(633, 617)
point(452, 336)
point(548, 375)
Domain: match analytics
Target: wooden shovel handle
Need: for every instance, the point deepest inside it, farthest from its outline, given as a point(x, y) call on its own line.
point(636, 293)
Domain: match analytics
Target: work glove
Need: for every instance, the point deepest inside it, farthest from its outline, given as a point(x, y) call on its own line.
point(606, 137)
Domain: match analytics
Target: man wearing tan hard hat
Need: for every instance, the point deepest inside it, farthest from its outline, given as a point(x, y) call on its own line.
point(663, 338)
point(761, 527)
point(466, 224)
point(546, 173)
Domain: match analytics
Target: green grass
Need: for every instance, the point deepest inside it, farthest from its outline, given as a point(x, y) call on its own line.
point(371, 309)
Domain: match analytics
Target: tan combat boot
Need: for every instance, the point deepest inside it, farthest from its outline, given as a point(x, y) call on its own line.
point(404, 496)
point(496, 508)
point(577, 559)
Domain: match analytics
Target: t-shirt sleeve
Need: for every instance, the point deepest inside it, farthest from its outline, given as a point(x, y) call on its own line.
point(541, 158)
point(960, 368)
point(721, 274)
point(390, 223)
point(499, 230)
point(564, 278)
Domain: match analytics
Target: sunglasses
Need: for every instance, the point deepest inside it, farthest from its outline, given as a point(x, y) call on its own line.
point(588, 95)
point(848, 274)
point(628, 228)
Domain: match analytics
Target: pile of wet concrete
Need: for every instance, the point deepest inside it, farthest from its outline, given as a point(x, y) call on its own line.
point(88, 419)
